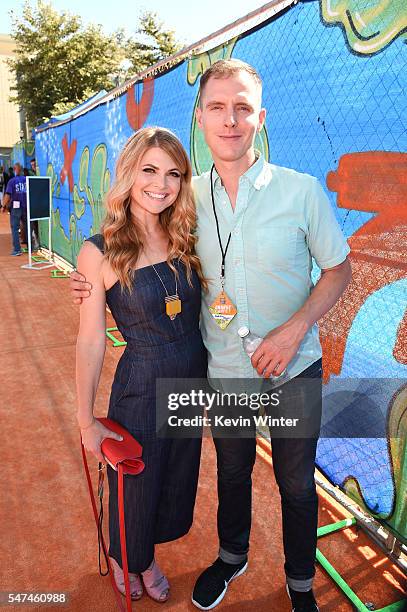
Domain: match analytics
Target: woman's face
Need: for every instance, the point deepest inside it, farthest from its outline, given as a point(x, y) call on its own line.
point(157, 183)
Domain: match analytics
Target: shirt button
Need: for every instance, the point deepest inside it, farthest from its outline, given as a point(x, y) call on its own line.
point(236, 231)
point(237, 262)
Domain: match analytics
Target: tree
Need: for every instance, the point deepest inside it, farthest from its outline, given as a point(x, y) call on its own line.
point(59, 63)
point(156, 44)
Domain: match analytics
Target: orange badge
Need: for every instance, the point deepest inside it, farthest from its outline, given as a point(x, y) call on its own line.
point(222, 310)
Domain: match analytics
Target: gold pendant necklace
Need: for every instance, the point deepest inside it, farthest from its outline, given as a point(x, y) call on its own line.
point(172, 302)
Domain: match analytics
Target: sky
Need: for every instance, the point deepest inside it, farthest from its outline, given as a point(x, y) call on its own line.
point(191, 21)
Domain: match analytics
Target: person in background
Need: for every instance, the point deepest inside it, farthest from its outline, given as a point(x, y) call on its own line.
point(6, 179)
point(33, 168)
point(2, 185)
point(5, 176)
point(15, 201)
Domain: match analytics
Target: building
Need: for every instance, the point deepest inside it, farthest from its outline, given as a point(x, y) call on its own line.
point(9, 111)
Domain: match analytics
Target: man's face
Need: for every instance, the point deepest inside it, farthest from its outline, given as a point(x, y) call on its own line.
point(230, 115)
point(33, 165)
point(16, 170)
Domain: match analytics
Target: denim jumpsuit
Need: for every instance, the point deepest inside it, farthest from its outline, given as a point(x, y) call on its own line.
point(159, 502)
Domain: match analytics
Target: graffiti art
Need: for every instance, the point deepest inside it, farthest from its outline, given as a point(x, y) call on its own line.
point(335, 91)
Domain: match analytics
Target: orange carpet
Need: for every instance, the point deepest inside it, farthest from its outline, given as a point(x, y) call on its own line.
point(48, 537)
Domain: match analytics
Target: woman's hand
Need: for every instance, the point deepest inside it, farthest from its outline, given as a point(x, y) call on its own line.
point(94, 434)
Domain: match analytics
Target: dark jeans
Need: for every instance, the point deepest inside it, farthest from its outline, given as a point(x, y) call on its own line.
point(34, 230)
point(16, 215)
point(294, 465)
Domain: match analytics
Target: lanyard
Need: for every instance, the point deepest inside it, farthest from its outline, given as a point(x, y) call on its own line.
point(222, 269)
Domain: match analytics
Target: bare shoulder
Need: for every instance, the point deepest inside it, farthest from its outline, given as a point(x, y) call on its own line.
point(93, 265)
point(89, 249)
point(90, 260)
point(90, 265)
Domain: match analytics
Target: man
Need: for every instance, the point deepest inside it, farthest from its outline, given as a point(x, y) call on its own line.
point(15, 201)
point(2, 184)
point(33, 168)
point(263, 223)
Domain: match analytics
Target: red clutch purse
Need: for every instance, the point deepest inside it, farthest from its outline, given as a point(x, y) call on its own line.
point(126, 453)
point(124, 456)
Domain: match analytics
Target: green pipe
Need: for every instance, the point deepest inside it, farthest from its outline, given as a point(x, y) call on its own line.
point(336, 526)
point(398, 606)
point(337, 578)
point(115, 341)
point(59, 274)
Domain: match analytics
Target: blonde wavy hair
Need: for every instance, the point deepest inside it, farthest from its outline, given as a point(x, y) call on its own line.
point(123, 236)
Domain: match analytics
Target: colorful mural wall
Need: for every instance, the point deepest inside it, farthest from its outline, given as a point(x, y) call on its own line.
point(5, 161)
point(23, 152)
point(335, 90)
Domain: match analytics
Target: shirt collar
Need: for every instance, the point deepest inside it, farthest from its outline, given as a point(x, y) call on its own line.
point(257, 174)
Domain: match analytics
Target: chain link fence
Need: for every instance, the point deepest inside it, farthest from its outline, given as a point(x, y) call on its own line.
point(334, 75)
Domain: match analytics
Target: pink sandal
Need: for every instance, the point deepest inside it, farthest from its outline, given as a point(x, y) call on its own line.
point(156, 583)
point(136, 588)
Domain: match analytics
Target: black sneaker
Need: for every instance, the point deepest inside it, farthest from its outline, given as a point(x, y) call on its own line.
point(212, 584)
point(302, 602)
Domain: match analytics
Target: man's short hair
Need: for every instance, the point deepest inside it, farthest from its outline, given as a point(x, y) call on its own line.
point(222, 69)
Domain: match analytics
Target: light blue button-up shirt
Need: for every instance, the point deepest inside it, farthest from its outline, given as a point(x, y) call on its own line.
point(282, 219)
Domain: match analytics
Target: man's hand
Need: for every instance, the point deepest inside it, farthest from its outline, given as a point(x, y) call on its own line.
point(79, 287)
point(278, 348)
point(6, 203)
point(281, 344)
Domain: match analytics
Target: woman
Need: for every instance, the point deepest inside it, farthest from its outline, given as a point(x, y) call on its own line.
point(143, 256)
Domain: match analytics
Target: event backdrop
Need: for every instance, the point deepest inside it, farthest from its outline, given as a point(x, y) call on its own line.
point(23, 152)
point(335, 90)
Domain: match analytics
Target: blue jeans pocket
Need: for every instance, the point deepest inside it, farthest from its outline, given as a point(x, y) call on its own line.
point(122, 382)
